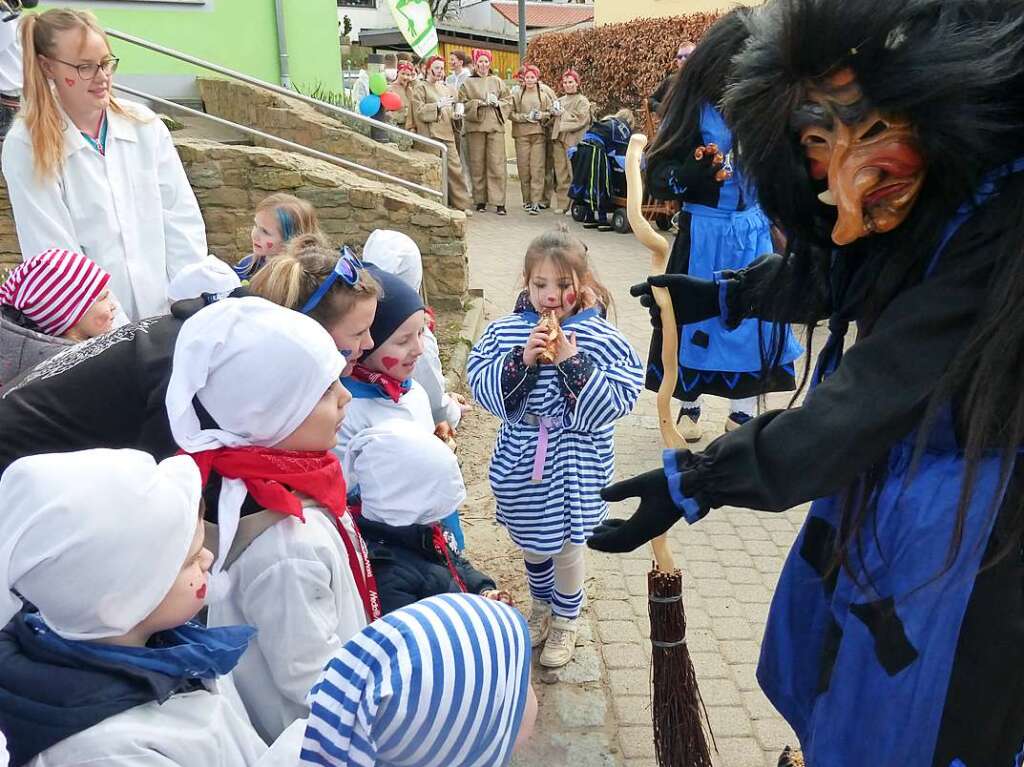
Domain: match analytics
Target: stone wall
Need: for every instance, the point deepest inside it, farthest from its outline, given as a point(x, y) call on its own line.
point(230, 180)
point(300, 123)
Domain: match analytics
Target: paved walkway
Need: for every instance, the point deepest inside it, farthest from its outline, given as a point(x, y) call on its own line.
point(598, 712)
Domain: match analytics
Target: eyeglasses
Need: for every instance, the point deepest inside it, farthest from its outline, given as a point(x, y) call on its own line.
point(347, 270)
point(89, 71)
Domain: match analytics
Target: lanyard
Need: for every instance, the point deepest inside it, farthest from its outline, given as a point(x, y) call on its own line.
point(99, 143)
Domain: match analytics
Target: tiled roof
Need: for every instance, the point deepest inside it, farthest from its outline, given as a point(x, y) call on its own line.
point(546, 14)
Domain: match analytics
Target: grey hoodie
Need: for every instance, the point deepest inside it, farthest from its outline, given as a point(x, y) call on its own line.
point(21, 349)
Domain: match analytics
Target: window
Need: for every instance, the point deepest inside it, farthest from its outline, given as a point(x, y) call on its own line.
point(357, 3)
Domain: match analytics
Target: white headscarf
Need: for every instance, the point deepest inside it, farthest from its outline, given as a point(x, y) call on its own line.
point(95, 539)
point(258, 369)
point(406, 475)
point(211, 275)
point(395, 253)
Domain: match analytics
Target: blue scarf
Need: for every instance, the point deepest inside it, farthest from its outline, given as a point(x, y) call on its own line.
point(187, 652)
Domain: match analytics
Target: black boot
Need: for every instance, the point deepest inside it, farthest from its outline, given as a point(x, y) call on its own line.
point(502, 211)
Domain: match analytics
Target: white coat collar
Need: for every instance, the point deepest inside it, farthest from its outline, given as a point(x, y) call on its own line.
point(119, 128)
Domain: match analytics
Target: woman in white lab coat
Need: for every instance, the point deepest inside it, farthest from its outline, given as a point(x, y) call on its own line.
point(94, 175)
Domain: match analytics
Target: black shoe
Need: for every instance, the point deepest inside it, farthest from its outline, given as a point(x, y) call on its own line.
point(590, 225)
point(543, 206)
point(533, 210)
point(501, 211)
point(481, 207)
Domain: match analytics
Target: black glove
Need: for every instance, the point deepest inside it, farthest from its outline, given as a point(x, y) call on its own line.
point(656, 514)
point(692, 179)
point(693, 299)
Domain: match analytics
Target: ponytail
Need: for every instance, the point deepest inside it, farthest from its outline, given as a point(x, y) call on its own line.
point(39, 104)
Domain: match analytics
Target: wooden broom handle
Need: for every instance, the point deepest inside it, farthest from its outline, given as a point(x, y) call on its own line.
point(660, 249)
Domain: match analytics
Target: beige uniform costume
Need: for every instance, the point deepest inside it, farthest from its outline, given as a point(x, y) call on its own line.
point(484, 125)
point(531, 111)
point(436, 121)
point(567, 129)
point(403, 117)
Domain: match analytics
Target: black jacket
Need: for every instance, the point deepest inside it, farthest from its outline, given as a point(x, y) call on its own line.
point(409, 567)
point(105, 392)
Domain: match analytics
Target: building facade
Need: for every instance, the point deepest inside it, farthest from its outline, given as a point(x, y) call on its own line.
point(238, 34)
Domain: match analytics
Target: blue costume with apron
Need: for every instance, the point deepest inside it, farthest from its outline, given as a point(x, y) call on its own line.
point(860, 665)
point(728, 235)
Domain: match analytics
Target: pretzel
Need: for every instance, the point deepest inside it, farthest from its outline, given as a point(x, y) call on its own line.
point(550, 322)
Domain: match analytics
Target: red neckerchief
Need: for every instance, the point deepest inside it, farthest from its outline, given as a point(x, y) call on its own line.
point(272, 477)
point(441, 547)
point(389, 386)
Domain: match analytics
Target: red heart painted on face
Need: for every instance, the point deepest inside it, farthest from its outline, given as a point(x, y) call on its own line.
point(570, 298)
point(389, 362)
point(69, 82)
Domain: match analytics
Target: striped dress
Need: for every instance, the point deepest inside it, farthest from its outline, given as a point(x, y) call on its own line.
point(440, 683)
point(565, 505)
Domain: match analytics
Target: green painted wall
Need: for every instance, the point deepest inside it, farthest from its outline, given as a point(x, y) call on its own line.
point(239, 34)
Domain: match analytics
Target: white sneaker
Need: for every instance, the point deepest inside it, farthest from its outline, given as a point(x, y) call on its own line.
point(561, 642)
point(539, 622)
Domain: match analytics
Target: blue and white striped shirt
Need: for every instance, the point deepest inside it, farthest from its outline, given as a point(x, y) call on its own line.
point(565, 505)
point(440, 683)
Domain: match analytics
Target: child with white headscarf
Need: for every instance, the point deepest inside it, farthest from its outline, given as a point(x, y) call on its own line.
point(398, 254)
point(444, 682)
point(210, 278)
point(409, 482)
point(254, 397)
point(104, 667)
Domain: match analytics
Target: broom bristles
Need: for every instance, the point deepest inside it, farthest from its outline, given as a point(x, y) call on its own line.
point(677, 707)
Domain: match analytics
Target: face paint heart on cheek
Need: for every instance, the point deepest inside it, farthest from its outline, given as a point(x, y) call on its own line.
point(389, 362)
point(201, 592)
point(570, 298)
point(69, 82)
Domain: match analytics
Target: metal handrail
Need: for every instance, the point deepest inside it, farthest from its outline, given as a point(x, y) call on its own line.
point(270, 137)
point(262, 84)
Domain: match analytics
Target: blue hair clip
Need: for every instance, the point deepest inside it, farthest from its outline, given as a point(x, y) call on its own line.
point(347, 270)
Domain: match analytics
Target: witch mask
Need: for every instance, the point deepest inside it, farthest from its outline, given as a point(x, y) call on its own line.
point(872, 161)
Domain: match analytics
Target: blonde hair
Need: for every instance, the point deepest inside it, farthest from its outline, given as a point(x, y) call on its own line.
point(294, 215)
point(569, 255)
point(290, 278)
point(39, 107)
point(626, 115)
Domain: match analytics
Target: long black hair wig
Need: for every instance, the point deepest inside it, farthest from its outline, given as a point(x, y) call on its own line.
point(954, 68)
point(702, 80)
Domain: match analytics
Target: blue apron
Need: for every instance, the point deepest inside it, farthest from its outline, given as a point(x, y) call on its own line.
point(727, 238)
point(860, 667)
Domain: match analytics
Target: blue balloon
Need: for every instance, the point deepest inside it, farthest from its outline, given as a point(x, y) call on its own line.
point(369, 105)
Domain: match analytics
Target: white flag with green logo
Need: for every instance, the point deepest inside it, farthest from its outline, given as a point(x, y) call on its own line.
point(416, 23)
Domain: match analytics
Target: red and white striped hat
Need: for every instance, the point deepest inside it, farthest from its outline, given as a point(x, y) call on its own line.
point(54, 289)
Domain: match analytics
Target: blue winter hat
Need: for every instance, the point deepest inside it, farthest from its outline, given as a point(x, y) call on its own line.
point(397, 303)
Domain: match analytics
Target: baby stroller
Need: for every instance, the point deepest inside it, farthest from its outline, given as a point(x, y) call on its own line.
point(599, 181)
point(599, 172)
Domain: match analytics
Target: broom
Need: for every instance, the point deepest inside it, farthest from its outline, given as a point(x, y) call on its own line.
point(677, 707)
